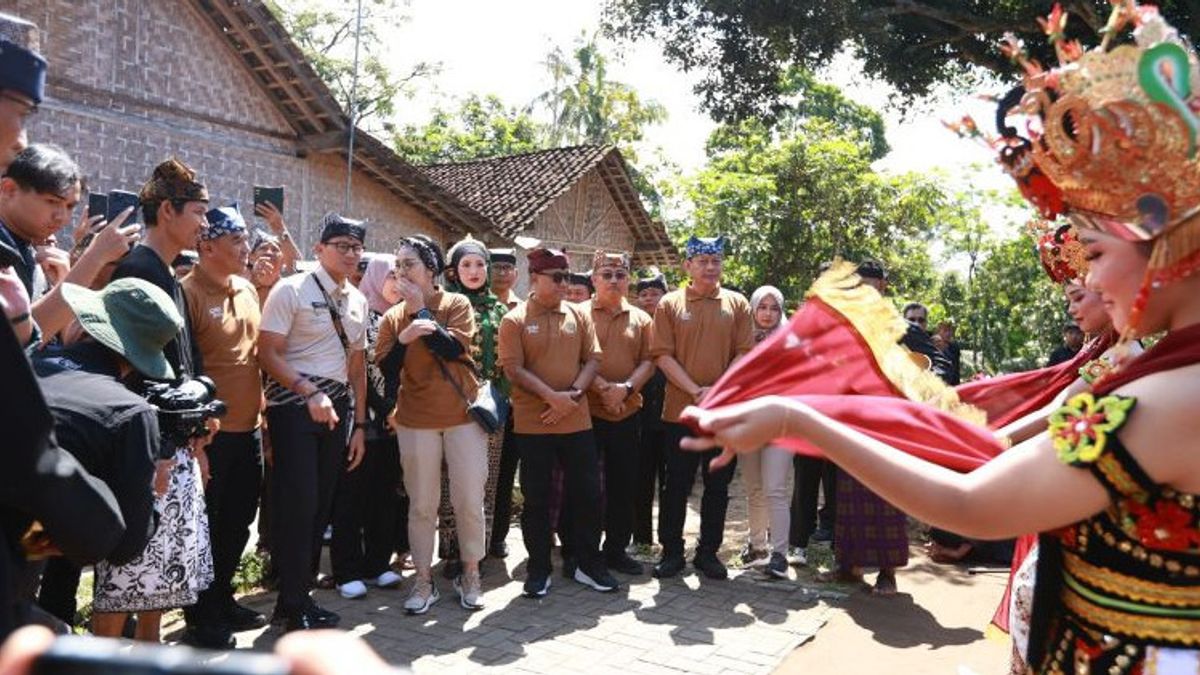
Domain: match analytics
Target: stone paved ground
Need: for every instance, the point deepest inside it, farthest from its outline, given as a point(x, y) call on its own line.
point(687, 624)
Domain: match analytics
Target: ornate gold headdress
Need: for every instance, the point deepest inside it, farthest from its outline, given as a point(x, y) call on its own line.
point(1115, 129)
point(1058, 246)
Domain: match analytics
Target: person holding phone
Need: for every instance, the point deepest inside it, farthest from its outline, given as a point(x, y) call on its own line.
point(39, 190)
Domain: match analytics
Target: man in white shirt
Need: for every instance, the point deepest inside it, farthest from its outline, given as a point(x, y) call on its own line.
point(311, 344)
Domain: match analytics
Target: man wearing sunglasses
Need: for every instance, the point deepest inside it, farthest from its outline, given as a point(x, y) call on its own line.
point(549, 351)
point(615, 398)
point(699, 331)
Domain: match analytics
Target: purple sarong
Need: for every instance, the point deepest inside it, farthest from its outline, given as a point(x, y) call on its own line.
point(868, 531)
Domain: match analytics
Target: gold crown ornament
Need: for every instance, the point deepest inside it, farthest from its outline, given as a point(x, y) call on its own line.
point(1115, 129)
point(1059, 249)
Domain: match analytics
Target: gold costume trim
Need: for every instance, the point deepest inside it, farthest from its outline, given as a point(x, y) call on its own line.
point(1171, 631)
point(1130, 586)
point(881, 327)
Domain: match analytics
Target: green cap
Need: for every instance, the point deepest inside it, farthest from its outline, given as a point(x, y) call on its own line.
point(132, 317)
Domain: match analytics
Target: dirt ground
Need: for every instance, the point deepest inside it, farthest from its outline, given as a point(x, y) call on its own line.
point(935, 625)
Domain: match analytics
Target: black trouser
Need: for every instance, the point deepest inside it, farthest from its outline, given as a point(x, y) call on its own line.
point(652, 471)
point(510, 458)
point(308, 461)
point(617, 444)
point(681, 474)
point(60, 582)
point(581, 490)
point(364, 514)
point(811, 474)
point(235, 467)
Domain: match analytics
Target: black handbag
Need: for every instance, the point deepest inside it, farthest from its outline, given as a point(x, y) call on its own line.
point(489, 409)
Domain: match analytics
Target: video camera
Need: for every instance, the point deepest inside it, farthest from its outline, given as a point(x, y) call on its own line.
point(184, 410)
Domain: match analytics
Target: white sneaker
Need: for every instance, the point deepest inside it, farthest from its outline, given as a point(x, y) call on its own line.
point(423, 596)
point(352, 589)
point(388, 579)
point(797, 556)
point(470, 591)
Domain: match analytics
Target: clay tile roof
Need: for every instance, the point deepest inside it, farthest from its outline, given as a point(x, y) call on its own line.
point(512, 190)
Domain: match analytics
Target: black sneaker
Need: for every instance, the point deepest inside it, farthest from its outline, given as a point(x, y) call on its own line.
point(597, 578)
point(537, 585)
point(710, 566)
point(669, 566)
point(624, 564)
point(209, 637)
point(310, 617)
point(240, 617)
point(777, 566)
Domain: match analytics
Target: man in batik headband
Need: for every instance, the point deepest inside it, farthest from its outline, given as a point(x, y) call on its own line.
point(698, 332)
point(615, 398)
point(580, 288)
point(503, 271)
point(225, 317)
point(549, 351)
point(312, 343)
point(652, 467)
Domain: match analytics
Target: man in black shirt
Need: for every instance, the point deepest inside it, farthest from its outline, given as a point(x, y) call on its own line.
point(173, 207)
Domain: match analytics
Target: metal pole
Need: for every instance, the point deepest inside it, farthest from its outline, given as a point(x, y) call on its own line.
point(353, 110)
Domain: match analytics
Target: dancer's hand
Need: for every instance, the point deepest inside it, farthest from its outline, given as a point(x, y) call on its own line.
point(743, 427)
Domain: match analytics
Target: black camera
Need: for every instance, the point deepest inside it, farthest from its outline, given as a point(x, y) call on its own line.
point(184, 410)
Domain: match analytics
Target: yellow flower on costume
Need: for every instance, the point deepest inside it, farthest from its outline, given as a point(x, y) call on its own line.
point(1080, 429)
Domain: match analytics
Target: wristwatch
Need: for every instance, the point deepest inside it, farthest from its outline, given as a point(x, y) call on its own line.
point(628, 389)
point(576, 394)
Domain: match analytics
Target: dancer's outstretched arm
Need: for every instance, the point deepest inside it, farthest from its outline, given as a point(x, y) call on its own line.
point(1025, 489)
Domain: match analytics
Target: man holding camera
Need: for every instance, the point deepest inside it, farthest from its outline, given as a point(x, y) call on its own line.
point(224, 315)
point(312, 345)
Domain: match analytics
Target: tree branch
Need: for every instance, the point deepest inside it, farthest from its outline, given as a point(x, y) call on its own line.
point(972, 23)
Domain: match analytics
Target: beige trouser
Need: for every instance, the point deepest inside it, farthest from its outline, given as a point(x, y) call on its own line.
point(464, 449)
point(765, 475)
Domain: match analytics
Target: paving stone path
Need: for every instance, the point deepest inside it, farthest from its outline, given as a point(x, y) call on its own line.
point(747, 624)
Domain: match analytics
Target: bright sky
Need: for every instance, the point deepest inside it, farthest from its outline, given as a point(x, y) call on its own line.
point(493, 47)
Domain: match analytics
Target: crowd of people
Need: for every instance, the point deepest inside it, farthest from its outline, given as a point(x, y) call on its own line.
point(397, 396)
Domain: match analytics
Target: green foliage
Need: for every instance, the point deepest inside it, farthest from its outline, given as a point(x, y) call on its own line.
point(744, 48)
point(249, 573)
point(793, 202)
point(481, 127)
point(324, 31)
point(585, 106)
point(1009, 314)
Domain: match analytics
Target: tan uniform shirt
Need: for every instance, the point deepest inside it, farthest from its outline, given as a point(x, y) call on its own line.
point(553, 344)
point(704, 333)
point(624, 335)
point(427, 400)
point(225, 321)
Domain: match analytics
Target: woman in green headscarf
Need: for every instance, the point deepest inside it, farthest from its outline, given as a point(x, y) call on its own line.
point(467, 273)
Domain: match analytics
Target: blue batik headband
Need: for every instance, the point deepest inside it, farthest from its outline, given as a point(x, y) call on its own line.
point(223, 221)
point(705, 246)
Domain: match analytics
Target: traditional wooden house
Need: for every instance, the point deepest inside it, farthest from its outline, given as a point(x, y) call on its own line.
point(578, 198)
point(221, 85)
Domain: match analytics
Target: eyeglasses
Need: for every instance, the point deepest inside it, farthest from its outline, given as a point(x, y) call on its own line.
point(918, 319)
point(556, 277)
point(503, 268)
point(619, 275)
point(407, 264)
point(345, 247)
